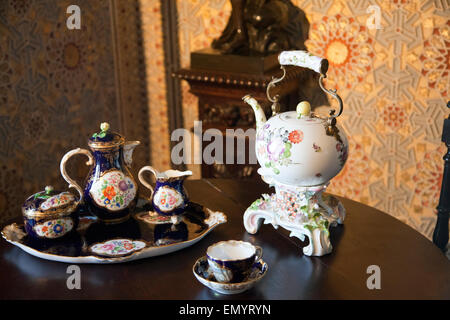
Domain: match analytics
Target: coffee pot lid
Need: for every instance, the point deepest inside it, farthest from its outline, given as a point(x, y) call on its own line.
point(105, 138)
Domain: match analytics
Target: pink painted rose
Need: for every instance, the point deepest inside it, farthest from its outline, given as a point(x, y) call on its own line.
point(275, 149)
point(172, 201)
point(108, 247)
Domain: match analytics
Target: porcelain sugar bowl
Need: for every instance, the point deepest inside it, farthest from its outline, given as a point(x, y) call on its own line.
point(110, 191)
point(50, 215)
point(299, 153)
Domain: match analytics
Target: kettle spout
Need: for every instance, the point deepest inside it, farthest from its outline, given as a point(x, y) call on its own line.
point(128, 149)
point(260, 117)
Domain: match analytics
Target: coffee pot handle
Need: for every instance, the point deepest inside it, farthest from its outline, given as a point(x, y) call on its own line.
point(62, 166)
point(142, 180)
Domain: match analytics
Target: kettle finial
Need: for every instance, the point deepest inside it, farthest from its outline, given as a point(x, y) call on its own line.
point(303, 109)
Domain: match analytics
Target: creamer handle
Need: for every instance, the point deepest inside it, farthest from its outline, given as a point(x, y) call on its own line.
point(142, 180)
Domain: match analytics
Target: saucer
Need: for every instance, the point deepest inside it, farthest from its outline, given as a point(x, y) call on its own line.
point(202, 273)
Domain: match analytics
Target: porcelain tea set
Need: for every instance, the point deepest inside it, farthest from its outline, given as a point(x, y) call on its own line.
point(110, 192)
point(299, 153)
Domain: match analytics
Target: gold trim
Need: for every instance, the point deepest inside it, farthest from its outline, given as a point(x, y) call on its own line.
point(51, 213)
point(106, 145)
point(98, 258)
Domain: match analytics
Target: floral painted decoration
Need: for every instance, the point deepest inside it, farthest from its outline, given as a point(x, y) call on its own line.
point(343, 152)
point(261, 203)
point(57, 201)
point(167, 198)
point(113, 190)
point(117, 247)
point(302, 59)
point(316, 148)
point(278, 144)
point(296, 136)
point(53, 229)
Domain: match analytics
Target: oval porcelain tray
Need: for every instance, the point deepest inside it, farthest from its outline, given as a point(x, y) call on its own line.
point(144, 235)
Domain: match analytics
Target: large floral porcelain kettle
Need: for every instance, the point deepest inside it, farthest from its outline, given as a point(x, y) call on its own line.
point(110, 191)
point(299, 153)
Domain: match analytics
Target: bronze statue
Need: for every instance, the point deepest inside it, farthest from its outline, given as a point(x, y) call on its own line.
point(263, 27)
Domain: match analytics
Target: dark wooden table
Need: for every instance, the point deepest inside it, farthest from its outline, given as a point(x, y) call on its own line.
point(411, 266)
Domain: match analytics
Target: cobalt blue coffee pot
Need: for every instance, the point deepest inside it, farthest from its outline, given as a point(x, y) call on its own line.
point(110, 191)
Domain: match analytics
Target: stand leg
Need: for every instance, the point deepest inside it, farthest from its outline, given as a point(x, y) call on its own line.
point(262, 211)
point(254, 218)
point(319, 243)
point(304, 212)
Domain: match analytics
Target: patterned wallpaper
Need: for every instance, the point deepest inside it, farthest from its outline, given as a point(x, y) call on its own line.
point(394, 82)
point(200, 22)
point(50, 81)
point(58, 85)
point(156, 83)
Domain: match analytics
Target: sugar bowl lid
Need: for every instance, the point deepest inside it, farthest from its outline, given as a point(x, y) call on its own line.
point(105, 138)
point(49, 203)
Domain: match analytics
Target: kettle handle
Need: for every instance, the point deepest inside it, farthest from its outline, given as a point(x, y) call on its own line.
point(142, 180)
point(305, 59)
point(62, 167)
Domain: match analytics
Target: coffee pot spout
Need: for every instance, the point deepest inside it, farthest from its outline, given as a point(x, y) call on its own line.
point(128, 149)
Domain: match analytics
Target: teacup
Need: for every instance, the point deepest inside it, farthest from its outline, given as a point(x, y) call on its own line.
point(232, 261)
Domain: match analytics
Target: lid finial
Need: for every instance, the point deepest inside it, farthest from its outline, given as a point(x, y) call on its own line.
point(104, 127)
point(303, 109)
point(48, 189)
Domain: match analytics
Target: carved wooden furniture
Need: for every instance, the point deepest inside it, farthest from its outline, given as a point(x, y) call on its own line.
point(440, 234)
point(220, 105)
